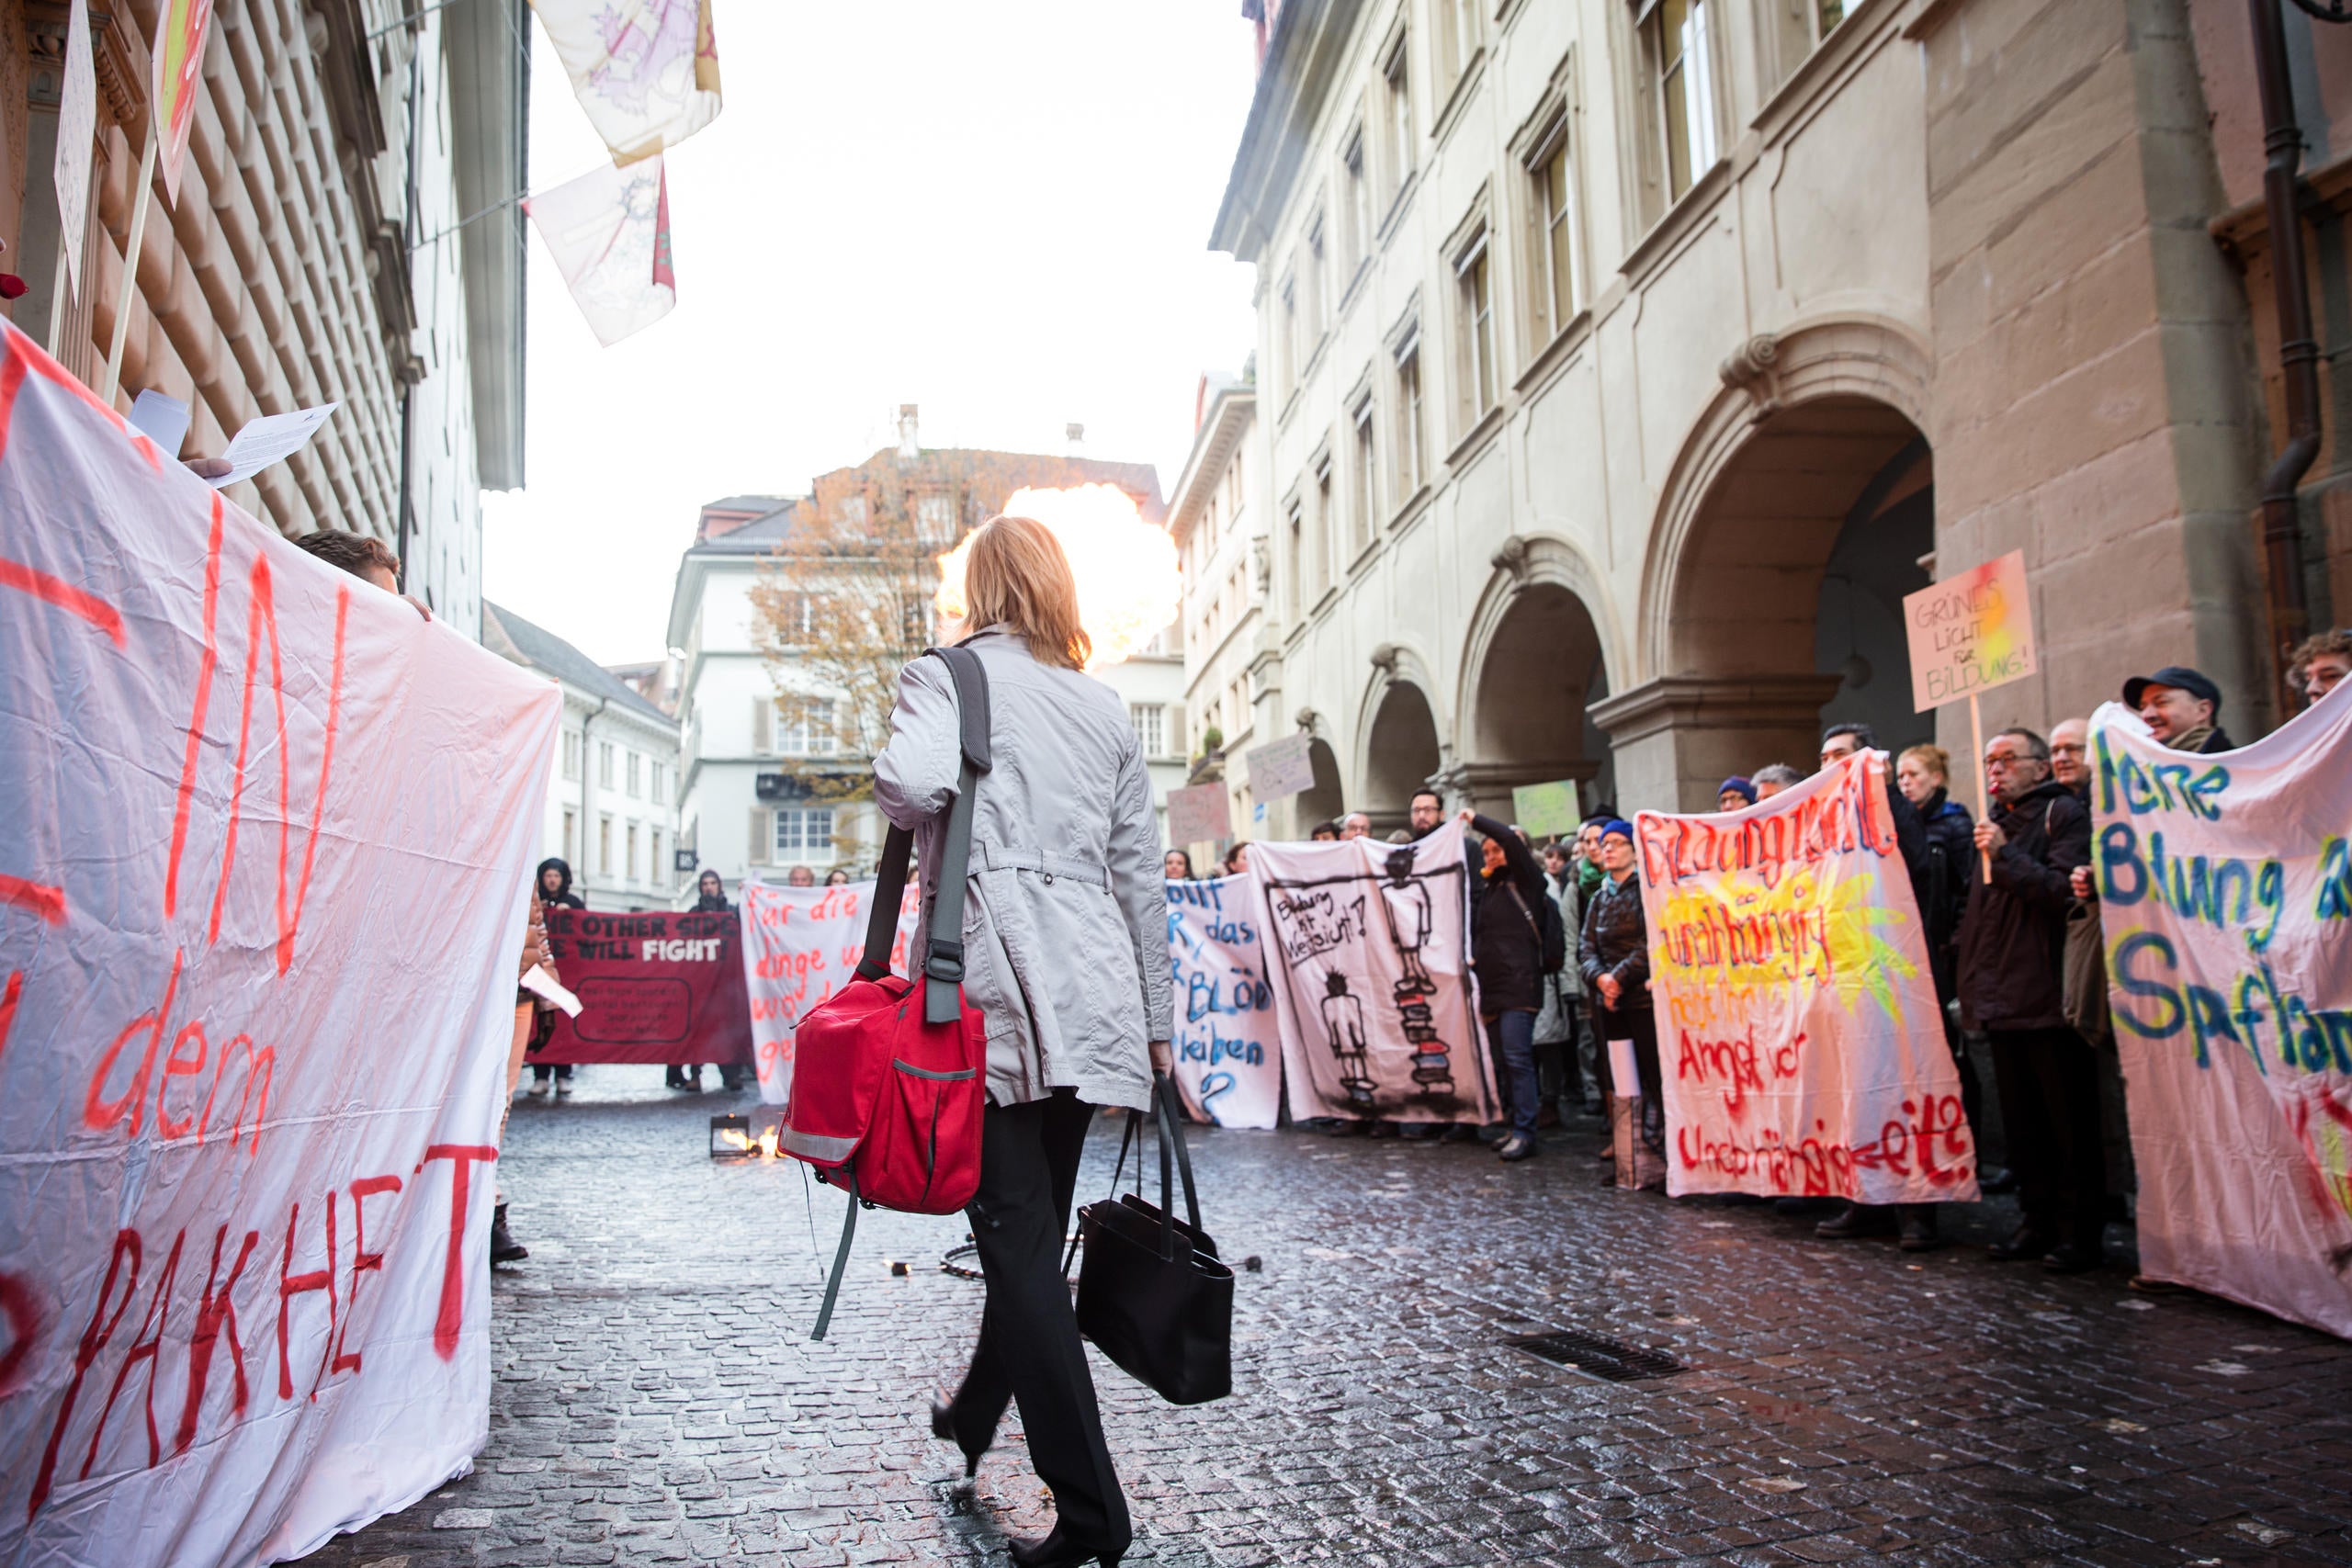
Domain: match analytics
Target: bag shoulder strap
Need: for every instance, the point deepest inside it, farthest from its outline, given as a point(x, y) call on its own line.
point(942, 959)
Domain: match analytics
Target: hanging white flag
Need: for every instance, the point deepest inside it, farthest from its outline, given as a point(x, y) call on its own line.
point(610, 232)
point(645, 71)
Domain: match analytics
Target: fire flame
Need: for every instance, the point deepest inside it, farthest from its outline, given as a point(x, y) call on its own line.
point(735, 1138)
point(1129, 585)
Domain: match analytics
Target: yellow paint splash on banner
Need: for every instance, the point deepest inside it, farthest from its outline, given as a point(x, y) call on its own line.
point(1737, 934)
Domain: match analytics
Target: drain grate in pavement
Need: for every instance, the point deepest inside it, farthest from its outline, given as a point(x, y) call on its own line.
point(1595, 1355)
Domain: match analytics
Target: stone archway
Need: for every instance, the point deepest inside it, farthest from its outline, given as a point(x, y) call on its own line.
point(1322, 801)
point(1537, 664)
point(1810, 456)
point(1401, 754)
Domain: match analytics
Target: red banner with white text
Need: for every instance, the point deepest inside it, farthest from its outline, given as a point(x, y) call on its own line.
point(653, 987)
point(264, 866)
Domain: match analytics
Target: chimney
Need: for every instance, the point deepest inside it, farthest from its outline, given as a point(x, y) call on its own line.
point(1075, 434)
point(910, 448)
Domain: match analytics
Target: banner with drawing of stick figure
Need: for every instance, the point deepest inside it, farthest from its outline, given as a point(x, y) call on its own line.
point(1369, 962)
point(1227, 1047)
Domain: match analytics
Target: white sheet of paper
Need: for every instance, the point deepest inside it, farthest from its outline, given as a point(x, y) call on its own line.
point(160, 418)
point(539, 983)
point(270, 439)
point(1624, 1076)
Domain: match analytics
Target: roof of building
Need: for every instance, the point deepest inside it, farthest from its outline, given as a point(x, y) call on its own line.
point(534, 648)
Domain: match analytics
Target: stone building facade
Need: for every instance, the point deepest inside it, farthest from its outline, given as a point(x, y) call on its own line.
point(1622, 364)
point(319, 251)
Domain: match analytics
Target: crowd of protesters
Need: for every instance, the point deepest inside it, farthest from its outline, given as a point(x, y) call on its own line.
point(1560, 944)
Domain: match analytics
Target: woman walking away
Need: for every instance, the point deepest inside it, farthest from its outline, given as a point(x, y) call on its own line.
point(555, 893)
point(1066, 943)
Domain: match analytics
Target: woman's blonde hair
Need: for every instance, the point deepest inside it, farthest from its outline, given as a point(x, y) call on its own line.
point(1933, 758)
point(1017, 576)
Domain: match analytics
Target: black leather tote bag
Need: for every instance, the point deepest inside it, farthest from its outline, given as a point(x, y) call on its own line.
point(1151, 1293)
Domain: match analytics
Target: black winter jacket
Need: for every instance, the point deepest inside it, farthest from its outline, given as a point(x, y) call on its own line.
point(1508, 950)
point(1616, 940)
point(1944, 891)
point(2013, 938)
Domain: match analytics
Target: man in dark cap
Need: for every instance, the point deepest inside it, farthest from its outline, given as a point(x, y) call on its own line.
point(2182, 706)
point(1736, 795)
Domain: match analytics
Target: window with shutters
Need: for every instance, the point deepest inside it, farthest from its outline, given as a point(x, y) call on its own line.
point(571, 739)
point(603, 764)
point(1475, 321)
point(1397, 91)
point(655, 870)
point(1678, 99)
point(1411, 466)
point(1364, 492)
point(631, 862)
point(808, 731)
point(636, 778)
point(604, 845)
point(804, 835)
point(762, 726)
point(571, 835)
point(1150, 721)
point(1556, 276)
point(935, 518)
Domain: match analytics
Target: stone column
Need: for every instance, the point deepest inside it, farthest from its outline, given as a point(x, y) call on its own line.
point(1676, 739)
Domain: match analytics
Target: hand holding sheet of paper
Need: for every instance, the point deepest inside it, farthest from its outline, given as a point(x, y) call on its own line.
point(270, 439)
point(539, 983)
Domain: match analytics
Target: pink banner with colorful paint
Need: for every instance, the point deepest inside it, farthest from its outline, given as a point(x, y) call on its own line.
point(1800, 1041)
point(2226, 896)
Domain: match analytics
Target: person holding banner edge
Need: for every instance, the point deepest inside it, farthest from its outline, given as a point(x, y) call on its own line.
point(1614, 955)
point(1066, 955)
point(1506, 949)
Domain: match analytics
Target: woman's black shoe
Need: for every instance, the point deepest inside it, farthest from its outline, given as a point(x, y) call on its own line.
point(1058, 1550)
point(503, 1248)
point(943, 1426)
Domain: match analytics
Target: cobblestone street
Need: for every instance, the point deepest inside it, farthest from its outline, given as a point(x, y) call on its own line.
point(658, 1399)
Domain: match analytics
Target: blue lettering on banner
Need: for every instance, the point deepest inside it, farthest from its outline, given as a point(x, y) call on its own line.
point(1228, 1060)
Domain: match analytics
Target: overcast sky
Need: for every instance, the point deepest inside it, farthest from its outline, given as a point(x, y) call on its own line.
point(997, 211)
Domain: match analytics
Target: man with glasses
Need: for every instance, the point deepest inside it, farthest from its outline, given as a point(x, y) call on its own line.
point(2070, 755)
point(2012, 986)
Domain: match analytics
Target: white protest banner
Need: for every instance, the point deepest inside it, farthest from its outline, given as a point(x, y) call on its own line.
point(1199, 814)
point(1228, 1045)
point(266, 845)
point(1371, 971)
point(800, 945)
point(1282, 768)
point(2225, 898)
point(1800, 1043)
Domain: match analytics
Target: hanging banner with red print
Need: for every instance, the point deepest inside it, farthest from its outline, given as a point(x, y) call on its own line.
point(1800, 1043)
point(654, 985)
point(266, 847)
point(2225, 898)
point(800, 945)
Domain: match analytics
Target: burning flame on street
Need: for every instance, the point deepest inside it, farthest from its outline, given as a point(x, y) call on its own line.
point(1129, 585)
point(736, 1139)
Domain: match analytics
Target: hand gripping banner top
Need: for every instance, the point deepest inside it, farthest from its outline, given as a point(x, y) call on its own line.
point(1368, 952)
point(1800, 1043)
point(266, 840)
point(2225, 898)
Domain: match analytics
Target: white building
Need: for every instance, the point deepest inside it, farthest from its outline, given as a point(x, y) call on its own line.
point(740, 810)
point(1220, 541)
point(611, 809)
point(1151, 682)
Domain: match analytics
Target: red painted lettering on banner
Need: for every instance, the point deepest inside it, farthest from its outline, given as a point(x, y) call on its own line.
point(94, 1339)
point(451, 1319)
point(21, 1314)
point(24, 357)
point(99, 1113)
point(362, 1261)
point(204, 667)
point(213, 1314)
point(1845, 815)
point(147, 1348)
point(10, 996)
point(65, 596)
point(47, 903)
point(289, 1285)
